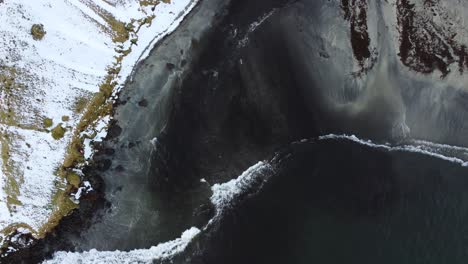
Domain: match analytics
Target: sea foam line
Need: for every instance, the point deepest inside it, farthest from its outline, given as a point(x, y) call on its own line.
point(161, 251)
point(252, 180)
point(406, 148)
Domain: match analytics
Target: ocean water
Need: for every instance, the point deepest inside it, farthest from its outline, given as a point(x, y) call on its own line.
point(341, 201)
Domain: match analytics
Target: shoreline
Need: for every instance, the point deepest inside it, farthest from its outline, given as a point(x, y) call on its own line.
point(94, 203)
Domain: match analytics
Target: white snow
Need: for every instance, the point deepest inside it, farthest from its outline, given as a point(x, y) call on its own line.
point(85, 189)
point(67, 64)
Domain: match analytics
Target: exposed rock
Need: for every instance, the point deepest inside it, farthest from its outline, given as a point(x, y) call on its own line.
point(143, 103)
point(355, 11)
point(424, 47)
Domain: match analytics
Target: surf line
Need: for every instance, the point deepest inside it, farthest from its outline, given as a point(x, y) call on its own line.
point(417, 148)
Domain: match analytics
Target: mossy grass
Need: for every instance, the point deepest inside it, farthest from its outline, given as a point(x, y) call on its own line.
point(9, 168)
point(119, 30)
point(38, 32)
point(99, 105)
point(12, 111)
point(48, 122)
point(121, 34)
point(58, 132)
point(153, 2)
point(74, 154)
point(73, 179)
point(62, 206)
point(11, 88)
point(80, 104)
point(149, 2)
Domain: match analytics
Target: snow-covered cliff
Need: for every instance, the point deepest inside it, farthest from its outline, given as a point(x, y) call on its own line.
point(61, 61)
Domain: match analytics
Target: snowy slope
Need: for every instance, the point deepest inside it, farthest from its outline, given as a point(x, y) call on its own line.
point(87, 43)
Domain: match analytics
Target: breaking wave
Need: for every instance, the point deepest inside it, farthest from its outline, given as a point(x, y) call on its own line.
point(450, 153)
point(161, 251)
point(227, 195)
point(224, 196)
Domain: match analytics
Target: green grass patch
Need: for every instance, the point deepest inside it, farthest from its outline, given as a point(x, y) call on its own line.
point(38, 32)
point(119, 30)
point(9, 168)
point(48, 122)
point(153, 2)
point(62, 206)
point(80, 105)
point(73, 179)
point(58, 132)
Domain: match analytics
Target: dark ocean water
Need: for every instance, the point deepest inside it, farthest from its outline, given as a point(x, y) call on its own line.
point(337, 201)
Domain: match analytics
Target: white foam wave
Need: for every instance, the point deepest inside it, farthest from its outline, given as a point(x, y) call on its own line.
point(225, 194)
point(161, 251)
point(243, 42)
point(441, 146)
point(223, 197)
point(416, 146)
